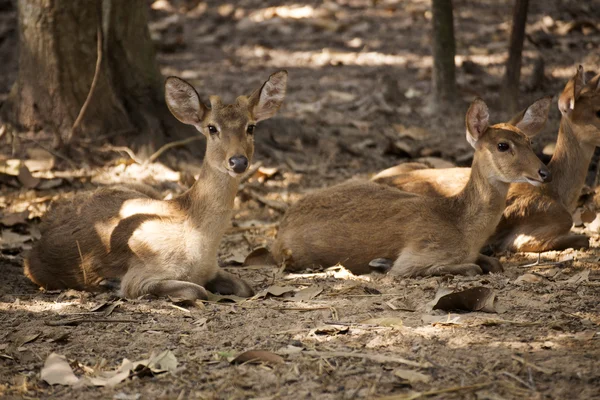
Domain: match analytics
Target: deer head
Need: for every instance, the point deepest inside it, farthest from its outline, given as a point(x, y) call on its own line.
point(579, 104)
point(507, 147)
point(229, 128)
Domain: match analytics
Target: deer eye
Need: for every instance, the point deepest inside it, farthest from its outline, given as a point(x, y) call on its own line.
point(503, 146)
point(212, 130)
point(598, 113)
point(250, 129)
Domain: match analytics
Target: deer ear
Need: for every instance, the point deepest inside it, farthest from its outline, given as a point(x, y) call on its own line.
point(477, 121)
point(532, 119)
point(566, 101)
point(183, 101)
point(265, 102)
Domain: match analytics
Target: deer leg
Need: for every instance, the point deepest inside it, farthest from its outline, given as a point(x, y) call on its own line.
point(489, 264)
point(453, 269)
point(133, 285)
point(226, 283)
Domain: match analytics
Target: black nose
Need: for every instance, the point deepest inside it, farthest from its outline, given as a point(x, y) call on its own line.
point(238, 164)
point(545, 174)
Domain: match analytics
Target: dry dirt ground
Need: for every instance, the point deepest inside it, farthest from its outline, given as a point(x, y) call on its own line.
point(357, 102)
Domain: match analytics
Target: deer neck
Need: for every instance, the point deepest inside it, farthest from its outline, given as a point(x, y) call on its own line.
point(569, 165)
point(210, 199)
point(481, 203)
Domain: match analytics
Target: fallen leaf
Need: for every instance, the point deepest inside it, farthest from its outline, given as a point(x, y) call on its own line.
point(442, 319)
point(219, 298)
point(163, 362)
point(473, 299)
point(257, 357)
point(581, 277)
point(308, 293)
point(27, 339)
point(384, 321)
point(274, 290)
point(12, 239)
point(259, 256)
point(57, 371)
point(530, 278)
point(329, 330)
point(26, 179)
point(46, 184)
point(265, 173)
point(39, 159)
point(412, 376)
point(15, 218)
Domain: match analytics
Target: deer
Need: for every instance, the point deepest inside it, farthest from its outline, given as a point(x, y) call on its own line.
point(153, 246)
point(536, 219)
point(365, 225)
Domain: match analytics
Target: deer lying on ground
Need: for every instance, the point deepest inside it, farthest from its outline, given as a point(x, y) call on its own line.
point(536, 219)
point(362, 223)
point(164, 248)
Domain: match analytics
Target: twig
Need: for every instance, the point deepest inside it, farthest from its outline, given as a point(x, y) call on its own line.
point(516, 378)
point(533, 366)
point(275, 205)
point(170, 145)
point(372, 357)
point(53, 152)
point(79, 320)
point(127, 150)
point(99, 57)
point(434, 392)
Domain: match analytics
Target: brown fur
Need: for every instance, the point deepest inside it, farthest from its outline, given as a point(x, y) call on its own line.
point(536, 218)
point(356, 222)
point(155, 246)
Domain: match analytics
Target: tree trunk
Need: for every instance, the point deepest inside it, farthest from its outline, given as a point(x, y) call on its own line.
point(57, 60)
point(444, 50)
point(512, 76)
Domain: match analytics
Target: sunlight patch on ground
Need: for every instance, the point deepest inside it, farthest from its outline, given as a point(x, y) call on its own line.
point(292, 11)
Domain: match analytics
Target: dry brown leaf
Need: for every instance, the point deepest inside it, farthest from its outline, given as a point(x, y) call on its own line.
point(259, 256)
point(27, 180)
point(15, 218)
point(530, 278)
point(231, 298)
point(581, 277)
point(308, 293)
point(329, 330)
point(473, 299)
point(274, 290)
point(412, 376)
point(257, 357)
point(12, 239)
point(39, 159)
point(57, 371)
point(26, 339)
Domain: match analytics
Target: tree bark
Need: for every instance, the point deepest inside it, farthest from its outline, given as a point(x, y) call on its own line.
point(57, 62)
point(444, 50)
point(512, 76)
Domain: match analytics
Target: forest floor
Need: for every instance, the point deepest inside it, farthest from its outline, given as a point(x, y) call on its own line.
point(357, 103)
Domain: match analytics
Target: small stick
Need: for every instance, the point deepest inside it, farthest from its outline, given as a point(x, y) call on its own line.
point(372, 357)
point(127, 150)
point(533, 366)
point(170, 145)
point(99, 57)
point(77, 321)
point(434, 392)
point(516, 378)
